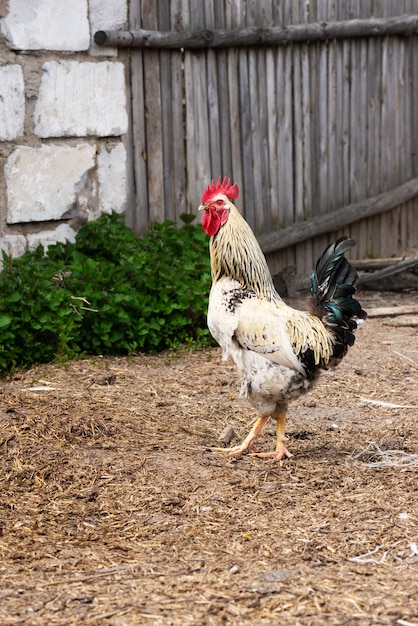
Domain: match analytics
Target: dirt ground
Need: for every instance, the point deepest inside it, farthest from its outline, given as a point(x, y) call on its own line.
point(115, 510)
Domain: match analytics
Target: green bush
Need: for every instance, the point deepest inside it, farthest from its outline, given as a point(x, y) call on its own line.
point(110, 292)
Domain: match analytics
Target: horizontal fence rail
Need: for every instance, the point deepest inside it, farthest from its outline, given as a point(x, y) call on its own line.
point(339, 219)
point(404, 25)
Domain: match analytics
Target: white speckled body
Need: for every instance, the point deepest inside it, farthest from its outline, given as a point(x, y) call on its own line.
point(253, 332)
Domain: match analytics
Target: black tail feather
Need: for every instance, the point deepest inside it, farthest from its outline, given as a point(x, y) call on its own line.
point(334, 283)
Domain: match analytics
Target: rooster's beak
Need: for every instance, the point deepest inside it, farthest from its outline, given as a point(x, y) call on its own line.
point(202, 207)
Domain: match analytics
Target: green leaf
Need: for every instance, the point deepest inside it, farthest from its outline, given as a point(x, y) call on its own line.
point(5, 320)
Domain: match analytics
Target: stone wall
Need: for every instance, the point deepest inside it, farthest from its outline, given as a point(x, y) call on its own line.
point(63, 119)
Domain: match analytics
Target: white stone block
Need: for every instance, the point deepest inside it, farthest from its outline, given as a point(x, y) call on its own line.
point(106, 15)
point(13, 245)
point(46, 183)
point(112, 176)
point(12, 102)
point(47, 25)
point(79, 99)
point(46, 238)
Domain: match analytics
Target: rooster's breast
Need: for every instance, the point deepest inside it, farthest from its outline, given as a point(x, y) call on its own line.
point(224, 311)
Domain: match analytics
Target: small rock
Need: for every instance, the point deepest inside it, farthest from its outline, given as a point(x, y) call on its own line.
point(309, 402)
point(227, 435)
point(108, 379)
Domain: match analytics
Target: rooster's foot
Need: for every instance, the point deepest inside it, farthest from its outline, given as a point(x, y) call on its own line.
point(235, 451)
point(277, 455)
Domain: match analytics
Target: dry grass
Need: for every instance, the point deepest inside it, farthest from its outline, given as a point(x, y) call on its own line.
point(114, 510)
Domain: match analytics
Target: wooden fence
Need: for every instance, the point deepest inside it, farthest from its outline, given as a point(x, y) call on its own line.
point(316, 129)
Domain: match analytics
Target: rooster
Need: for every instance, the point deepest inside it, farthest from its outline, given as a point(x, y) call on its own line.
point(278, 350)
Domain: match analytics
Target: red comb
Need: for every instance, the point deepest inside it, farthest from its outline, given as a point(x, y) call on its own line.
point(224, 187)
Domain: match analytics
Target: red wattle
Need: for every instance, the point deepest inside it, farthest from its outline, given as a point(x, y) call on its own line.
point(210, 222)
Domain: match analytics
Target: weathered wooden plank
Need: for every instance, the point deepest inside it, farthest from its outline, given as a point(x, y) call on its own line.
point(342, 217)
point(298, 165)
point(272, 213)
point(167, 210)
point(322, 121)
point(234, 117)
point(260, 142)
point(153, 109)
point(266, 121)
point(214, 121)
point(290, 12)
point(361, 128)
point(247, 197)
point(391, 311)
point(253, 202)
point(128, 142)
point(319, 163)
point(310, 96)
point(313, 101)
point(197, 116)
point(234, 18)
point(285, 136)
point(252, 154)
point(373, 115)
point(357, 144)
point(333, 183)
point(314, 104)
point(410, 217)
point(206, 38)
point(338, 107)
point(374, 264)
point(404, 124)
point(386, 227)
point(221, 63)
point(213, 91)
point(298, 17)
point(414, 99)
point(410, 117)
point(394, 146)
point(281, 12)
point(175, 173)
point(260, 15)
point(325, 162)
point(137, 217)
point(344, 121)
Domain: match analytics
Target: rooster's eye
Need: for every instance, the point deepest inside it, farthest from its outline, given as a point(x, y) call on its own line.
point(219, 202)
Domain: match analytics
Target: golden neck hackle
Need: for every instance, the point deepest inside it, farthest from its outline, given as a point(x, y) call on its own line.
point(235, 253)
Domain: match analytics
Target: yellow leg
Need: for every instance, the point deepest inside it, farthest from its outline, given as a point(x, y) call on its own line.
point(281, 449)
point(249, 440)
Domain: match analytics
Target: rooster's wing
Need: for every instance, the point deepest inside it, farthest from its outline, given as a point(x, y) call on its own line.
point(282, 334)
